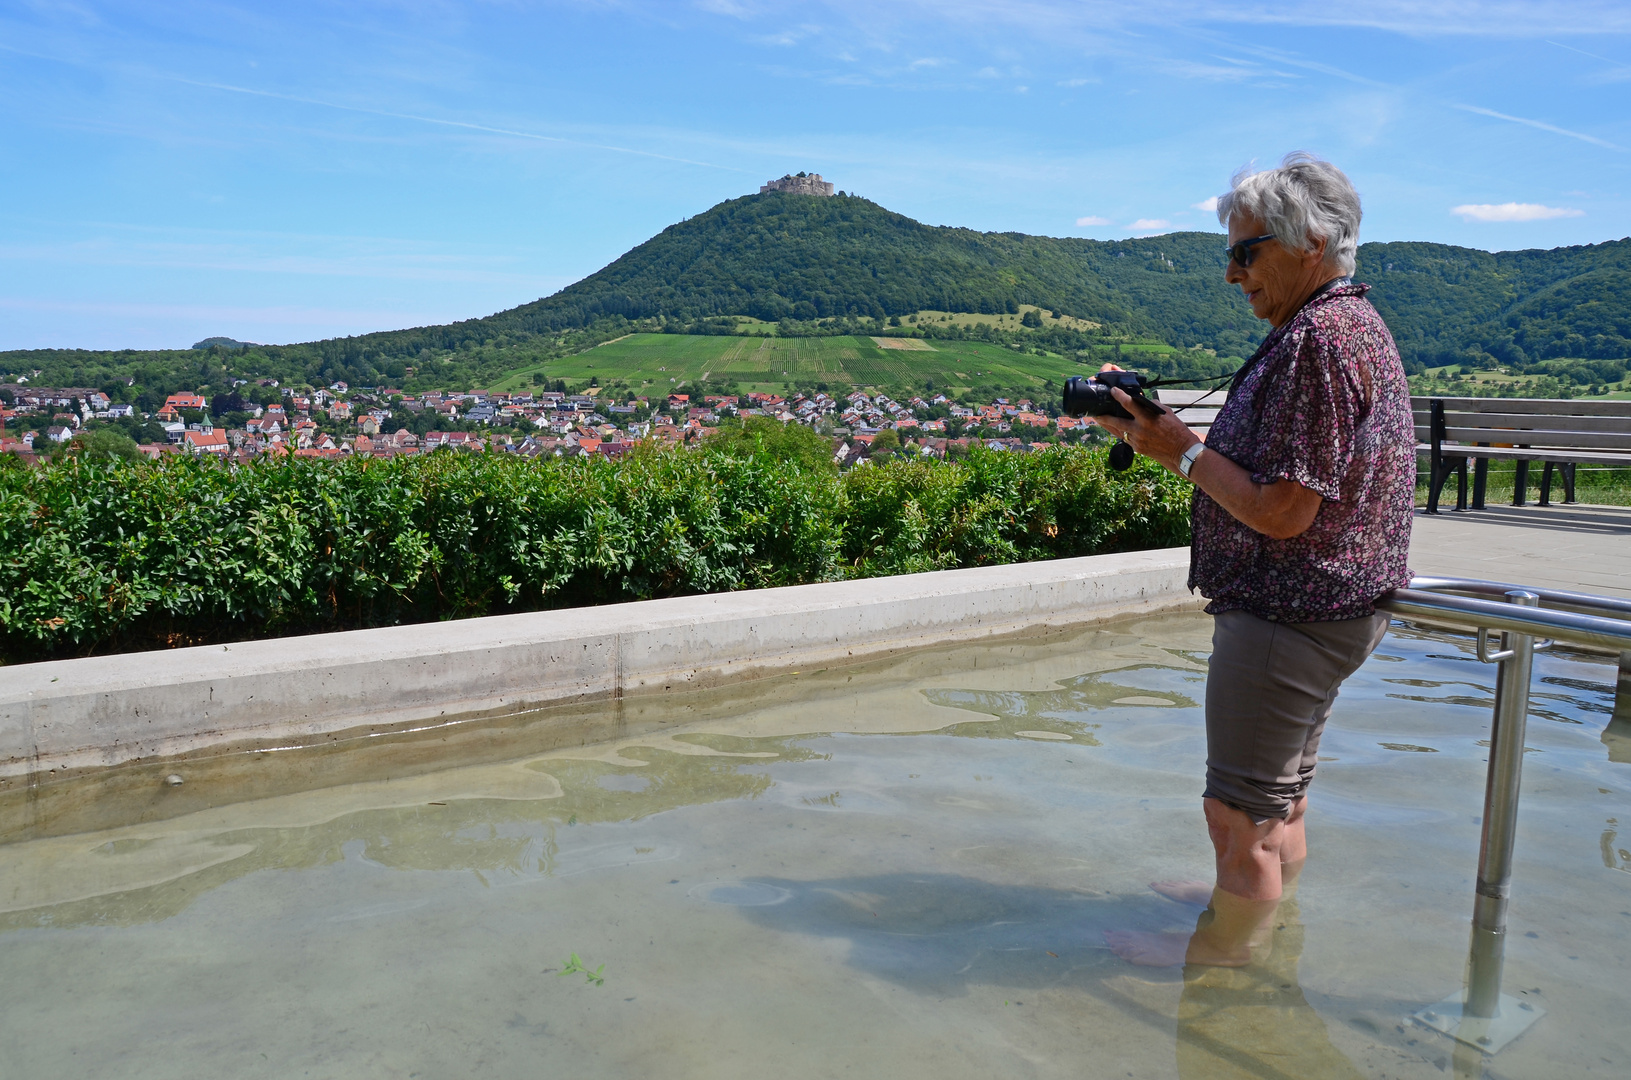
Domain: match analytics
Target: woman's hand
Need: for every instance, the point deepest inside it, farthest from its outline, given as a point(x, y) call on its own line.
point(1279, 510)
point(1161, 438)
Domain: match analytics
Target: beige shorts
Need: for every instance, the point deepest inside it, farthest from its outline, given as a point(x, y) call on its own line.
point(1269, 691)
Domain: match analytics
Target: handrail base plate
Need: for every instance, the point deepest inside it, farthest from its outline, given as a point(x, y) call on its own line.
point(1491, 1035)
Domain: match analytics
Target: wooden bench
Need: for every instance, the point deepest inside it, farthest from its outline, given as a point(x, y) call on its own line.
point(1556, 432)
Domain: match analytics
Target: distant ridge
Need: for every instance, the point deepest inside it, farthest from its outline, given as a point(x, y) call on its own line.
point(801, 262)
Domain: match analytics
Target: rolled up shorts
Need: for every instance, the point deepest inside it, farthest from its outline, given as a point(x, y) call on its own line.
point(1269, 691)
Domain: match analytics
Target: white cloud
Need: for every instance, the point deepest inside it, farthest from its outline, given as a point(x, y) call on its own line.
point(1209, 205)
point(1145, 224)
point(1077, 82)
point(1092, 221)
point(1512, 211)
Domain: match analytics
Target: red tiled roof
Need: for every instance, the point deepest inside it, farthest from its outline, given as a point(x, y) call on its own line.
point(208, 441)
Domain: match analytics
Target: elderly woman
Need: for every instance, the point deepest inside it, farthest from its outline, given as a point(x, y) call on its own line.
point(1304, 490)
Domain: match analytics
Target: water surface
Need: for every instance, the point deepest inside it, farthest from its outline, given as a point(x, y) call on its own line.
point(899, 870)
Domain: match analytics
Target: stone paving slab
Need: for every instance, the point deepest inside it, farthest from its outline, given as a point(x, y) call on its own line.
point(1581, 547)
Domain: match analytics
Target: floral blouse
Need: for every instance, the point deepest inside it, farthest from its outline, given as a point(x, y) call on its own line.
point(1324, 402)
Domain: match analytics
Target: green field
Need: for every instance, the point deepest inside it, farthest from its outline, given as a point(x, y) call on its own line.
point(1437, 381)
point(769, 362)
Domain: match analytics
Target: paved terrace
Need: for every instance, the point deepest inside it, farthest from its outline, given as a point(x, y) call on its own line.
point(1581, 547)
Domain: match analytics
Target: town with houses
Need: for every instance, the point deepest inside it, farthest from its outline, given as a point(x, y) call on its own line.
point(336, 421)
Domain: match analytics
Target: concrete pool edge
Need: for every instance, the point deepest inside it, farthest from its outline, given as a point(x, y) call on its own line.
point(105, 711)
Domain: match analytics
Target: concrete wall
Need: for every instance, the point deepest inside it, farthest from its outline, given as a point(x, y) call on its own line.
point(71, 714)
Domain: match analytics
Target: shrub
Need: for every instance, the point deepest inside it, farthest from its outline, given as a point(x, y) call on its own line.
point(988, 508)
point(99, 554)
point(793, 443)
point(104, 442)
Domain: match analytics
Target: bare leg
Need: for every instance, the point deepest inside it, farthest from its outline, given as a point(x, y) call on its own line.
point(1249, 884)
point(1293, 849)
point(1248, 854)
point(1294, 845)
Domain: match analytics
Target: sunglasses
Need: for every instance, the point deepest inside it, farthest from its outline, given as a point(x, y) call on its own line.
point(1241, 253)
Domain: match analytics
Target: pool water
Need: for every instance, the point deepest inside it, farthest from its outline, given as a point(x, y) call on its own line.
point(899, 870)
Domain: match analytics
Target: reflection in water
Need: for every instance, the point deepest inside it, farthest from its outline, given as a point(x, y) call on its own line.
point(1032, 713)
point(1541, 706)
point(494, 820)
point(940, 934)
point(1617, 737)
point(1478, 690)
point(1615, 858)
point(1253, 1022)
point(1597, 694)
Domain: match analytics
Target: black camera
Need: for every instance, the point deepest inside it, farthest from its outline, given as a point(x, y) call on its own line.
point(1091, 396)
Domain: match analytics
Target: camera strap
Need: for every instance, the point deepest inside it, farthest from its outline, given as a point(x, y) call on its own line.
point(1263, 350)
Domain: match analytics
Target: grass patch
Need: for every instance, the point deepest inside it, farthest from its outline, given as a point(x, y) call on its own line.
point(1449, 381)
point(964, 318)
point(666, 360)
point(1594, 484)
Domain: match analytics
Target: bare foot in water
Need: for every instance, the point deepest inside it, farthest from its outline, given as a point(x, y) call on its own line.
point(1148, 949)
point(1185, 892)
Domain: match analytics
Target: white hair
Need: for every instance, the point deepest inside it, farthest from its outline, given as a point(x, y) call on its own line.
point(1305, 200)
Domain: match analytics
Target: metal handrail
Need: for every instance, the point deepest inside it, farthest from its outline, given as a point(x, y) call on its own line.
point(1464, 611)
point(1584, 603)
point(1481, 1016)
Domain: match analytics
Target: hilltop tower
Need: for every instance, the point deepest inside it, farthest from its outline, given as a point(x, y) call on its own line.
point(802, 184)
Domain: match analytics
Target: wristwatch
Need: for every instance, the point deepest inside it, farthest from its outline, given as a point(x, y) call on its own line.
point(1187, 461)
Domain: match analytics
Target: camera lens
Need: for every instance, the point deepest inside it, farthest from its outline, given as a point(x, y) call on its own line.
point(1071, 402)
point(1085, 397)
point(1092, 397)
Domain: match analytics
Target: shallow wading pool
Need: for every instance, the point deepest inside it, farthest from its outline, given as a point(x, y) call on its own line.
point(902, 869)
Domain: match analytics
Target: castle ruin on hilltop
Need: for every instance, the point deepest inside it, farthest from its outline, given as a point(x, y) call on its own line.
point(802, 184)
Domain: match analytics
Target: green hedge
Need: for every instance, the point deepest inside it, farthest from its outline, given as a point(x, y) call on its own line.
point(110, 556)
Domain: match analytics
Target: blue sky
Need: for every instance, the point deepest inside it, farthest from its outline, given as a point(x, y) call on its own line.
point(280, 172)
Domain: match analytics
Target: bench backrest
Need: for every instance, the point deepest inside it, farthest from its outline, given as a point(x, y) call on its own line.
point(1199, 417)
point(1535, 422)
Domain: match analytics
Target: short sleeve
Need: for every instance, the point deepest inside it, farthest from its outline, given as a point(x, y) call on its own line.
point(1309, 418)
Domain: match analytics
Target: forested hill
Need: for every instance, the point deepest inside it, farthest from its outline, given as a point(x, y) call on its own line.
point(800, 260)
point(796, 257)
point(1448, 303)
point(777, 256)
